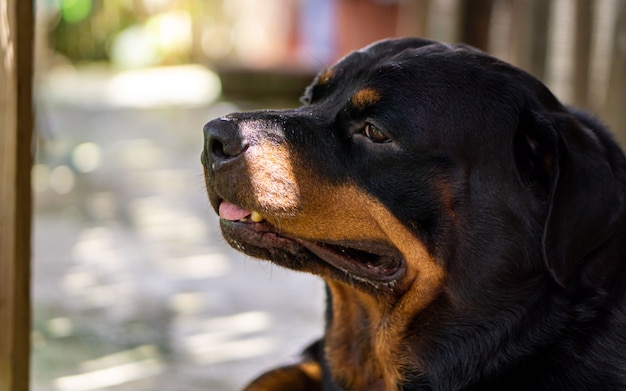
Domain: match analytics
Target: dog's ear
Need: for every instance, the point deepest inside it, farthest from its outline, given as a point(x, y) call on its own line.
point(566, 161)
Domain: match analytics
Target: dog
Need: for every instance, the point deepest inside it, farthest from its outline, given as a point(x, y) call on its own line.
point(470, 228)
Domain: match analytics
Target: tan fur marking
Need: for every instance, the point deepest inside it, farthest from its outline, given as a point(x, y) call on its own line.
point(365, 97)
point(312, 370)
point(350, 349)
point(346, 213)
point(272, 179)
point(447, 197)
point(420, 286)
point(326, 76)
point(304, 376)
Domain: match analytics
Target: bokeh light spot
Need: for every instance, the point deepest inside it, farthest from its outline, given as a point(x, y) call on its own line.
point(62, 180)
point(74, 11)
point(86, 157)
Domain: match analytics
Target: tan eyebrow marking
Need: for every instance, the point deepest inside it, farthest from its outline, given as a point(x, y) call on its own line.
point(326, 76)
point(365, 97)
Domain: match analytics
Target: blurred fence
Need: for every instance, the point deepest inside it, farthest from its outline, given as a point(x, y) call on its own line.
point(576, 46)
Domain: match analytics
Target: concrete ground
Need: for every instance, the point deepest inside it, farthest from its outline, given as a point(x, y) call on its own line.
point(134, 288)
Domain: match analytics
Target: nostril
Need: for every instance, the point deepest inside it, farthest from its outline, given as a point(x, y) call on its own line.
point(216, 148)
point(225, 149)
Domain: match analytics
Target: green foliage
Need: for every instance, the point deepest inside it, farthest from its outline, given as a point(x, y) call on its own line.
point(85, 28)
point(74, 11)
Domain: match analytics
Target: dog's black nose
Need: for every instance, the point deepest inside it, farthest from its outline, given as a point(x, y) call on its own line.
point(222, 142)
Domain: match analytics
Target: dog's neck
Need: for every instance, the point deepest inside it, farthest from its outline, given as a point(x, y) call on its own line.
point(354, 348)
point(365, 337)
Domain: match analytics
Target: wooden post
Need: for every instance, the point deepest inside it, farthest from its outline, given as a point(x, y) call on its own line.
point(413, 18)
point(476, 22)
point(614, 110)
point(16, 125)
point(538, 48)
point(582, 51)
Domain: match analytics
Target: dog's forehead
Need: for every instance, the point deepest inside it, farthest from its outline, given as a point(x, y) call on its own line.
point(409, 60)
point(355, 69)
point(375, 55)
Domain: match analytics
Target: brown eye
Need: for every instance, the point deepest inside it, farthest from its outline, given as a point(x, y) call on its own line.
point(376, 135)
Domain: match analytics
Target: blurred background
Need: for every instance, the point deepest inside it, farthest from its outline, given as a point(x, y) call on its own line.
point(134, 289)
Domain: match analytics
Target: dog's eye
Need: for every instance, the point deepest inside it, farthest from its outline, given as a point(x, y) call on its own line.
point(376, 135)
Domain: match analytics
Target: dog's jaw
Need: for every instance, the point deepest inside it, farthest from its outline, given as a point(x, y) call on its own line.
point(372, 263)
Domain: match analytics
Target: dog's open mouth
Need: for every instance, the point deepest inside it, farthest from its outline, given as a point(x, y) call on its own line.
point(362, 260)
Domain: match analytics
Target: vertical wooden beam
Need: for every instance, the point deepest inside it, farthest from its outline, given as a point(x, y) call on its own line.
point(614, 109)
point(476, 22)
point(538, 50)
point(519, 34)
point(582, 51)
point(16, 125)
point(413, 16)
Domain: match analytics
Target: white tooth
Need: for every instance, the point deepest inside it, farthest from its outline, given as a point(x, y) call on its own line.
point(256, 217)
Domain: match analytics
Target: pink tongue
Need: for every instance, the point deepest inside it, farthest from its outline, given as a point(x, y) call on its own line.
point(232, 212)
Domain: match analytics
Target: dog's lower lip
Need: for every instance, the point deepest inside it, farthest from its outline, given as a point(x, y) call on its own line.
point(372, 261)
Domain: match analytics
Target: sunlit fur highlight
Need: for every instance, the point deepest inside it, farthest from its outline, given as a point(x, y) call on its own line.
point(303, 376)
point(272, 178)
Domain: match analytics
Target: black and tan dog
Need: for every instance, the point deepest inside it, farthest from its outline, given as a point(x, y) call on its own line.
point(470, 229)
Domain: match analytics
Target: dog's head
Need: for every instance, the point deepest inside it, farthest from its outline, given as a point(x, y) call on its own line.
point(413, 168)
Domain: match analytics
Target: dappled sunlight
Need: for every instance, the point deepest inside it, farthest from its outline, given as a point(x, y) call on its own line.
point(109, 295)
point(87, 157)
point(196, 267)
point(61, 179)
point(184, 85)
point(159, 221)
point(77, 282)
point(187, 303)
point(139, 154)
point(60, 327)
point(235, 350)
point(228, 338)
point(115, 369)
point(95, 248)
point(162, 182)
point(216, 329)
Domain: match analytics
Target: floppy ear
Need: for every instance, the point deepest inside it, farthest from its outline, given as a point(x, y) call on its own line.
point(585, 199)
